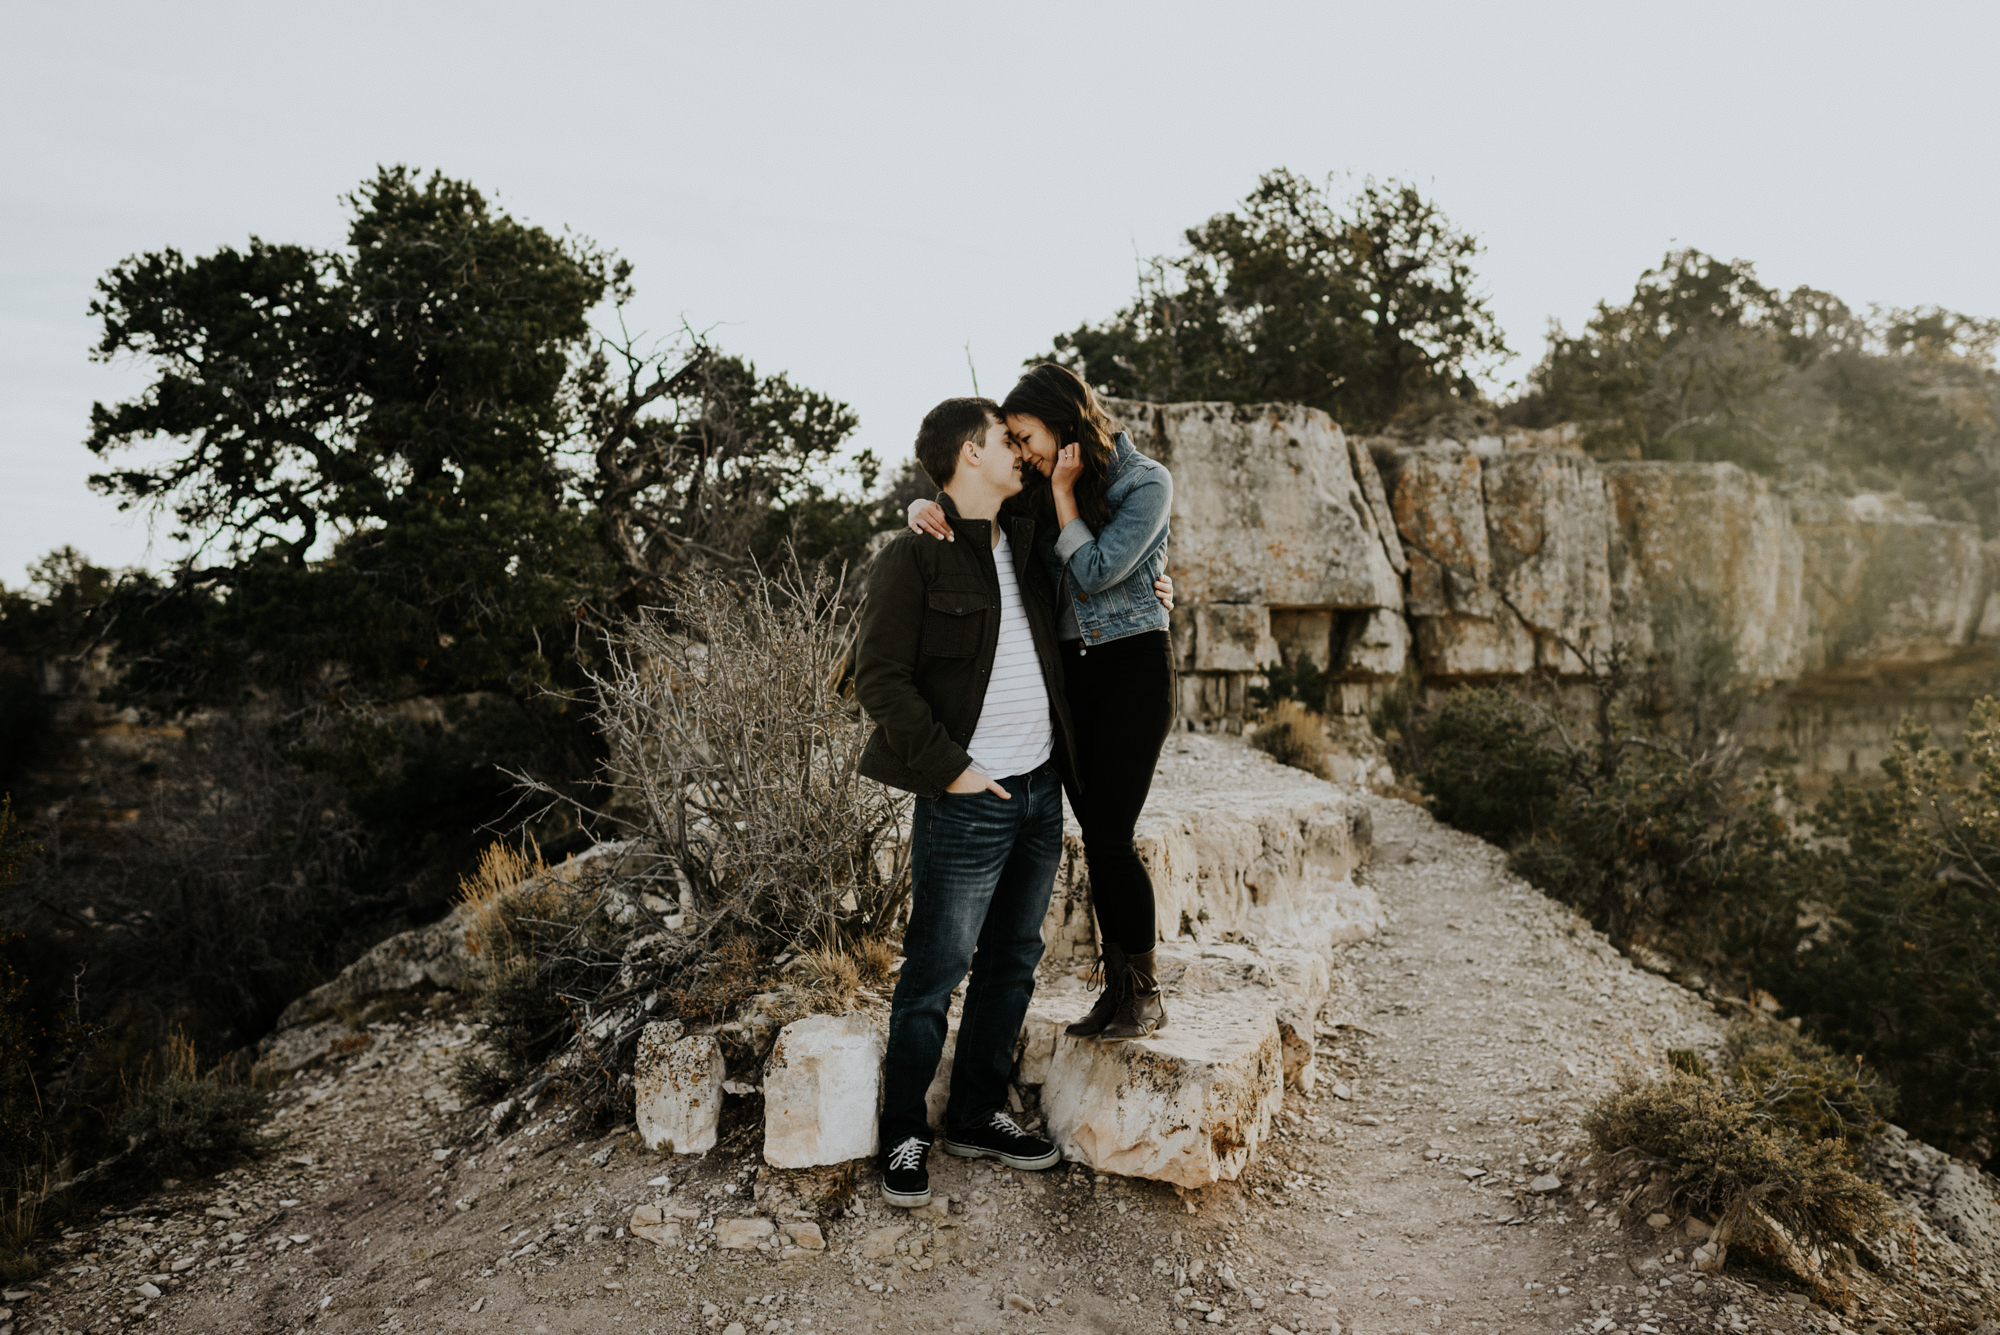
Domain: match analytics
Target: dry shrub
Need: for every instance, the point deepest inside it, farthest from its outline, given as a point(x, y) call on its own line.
point(548, 948)
point(1295, 736)
point(1805, 1085)
point(709, 990)
point(735, 740)
point(186, 1122)
point(1700, 1147)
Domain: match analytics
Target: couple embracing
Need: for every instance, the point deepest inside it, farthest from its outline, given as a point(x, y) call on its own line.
point(1015, 645)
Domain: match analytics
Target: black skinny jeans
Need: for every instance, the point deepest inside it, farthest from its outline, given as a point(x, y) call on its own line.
point(1121, 704)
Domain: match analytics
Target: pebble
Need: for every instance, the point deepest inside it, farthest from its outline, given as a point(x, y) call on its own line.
point(149, 1290)
point(734, 1328)
point(1545, 1184)
point(1016, 1303)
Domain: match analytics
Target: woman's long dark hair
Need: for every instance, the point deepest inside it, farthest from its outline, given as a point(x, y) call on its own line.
point(1068, 408)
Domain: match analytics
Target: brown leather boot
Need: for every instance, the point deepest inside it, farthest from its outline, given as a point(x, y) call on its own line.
point(1111, 971)
point(1142, 1010)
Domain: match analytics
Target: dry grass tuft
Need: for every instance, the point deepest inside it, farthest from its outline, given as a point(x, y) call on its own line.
point(1295, 736)
point(831, 977)
point(876, 958)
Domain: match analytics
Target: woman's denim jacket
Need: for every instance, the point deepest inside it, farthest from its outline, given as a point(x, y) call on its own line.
point(1110, 574)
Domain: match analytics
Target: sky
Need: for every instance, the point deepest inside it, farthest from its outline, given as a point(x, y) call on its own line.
point(857, 194)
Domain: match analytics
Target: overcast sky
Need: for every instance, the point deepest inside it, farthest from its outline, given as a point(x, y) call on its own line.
point(853, 193)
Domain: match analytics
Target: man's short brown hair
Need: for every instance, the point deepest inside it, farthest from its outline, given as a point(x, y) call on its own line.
point(948, 426)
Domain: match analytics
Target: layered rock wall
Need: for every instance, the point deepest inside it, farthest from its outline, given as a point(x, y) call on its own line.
point(1450, 561)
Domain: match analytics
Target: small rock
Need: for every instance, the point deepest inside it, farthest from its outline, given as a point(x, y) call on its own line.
point(1016, 1303)
point(1215, 1318)
point(439, 1156)
point(149, 1290)
point(184, 1263)
point(742, 1235)
point(807, 1236)
point(1277, 1330)
point(651, 1223)
point(882, 1242)
point(939, 1208)
point(1696, 1229)
point(425, 1283)
point(602, 1157)
point(1545, 1184)
point(734, 1328)
point(1319, 1291)
point(662, 1181)
point(14, 1296)
point(477, 1304)
point(1657, 1220)
point(1472, 1174)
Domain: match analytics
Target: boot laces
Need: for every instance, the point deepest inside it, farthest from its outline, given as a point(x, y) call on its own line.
point(909, 1155)
point(1002, 1122)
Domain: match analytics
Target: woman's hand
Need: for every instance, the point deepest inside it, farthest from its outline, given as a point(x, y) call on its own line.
point(1069, 466)
point(1163, 589)
point(928, 517)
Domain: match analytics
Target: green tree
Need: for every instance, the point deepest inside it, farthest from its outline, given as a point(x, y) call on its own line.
point(1365, 309)
point(405, 468)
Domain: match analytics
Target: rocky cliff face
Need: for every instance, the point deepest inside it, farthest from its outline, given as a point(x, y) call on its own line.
point(1455, 561)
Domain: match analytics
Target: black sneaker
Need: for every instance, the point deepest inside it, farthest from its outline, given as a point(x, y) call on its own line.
point(1001, 1139)
point(904, 1179)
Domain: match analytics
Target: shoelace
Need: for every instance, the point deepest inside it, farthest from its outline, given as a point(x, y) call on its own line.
point(908, 1156)
point(1002, 1122)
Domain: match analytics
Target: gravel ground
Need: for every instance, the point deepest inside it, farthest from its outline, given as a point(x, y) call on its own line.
point(1463, 1046)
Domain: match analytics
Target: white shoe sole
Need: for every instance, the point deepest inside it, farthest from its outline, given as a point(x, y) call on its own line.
point(911, 1200)
point(1049, 1160)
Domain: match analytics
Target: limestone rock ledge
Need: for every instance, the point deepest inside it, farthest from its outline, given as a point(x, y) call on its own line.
point(1253, 866)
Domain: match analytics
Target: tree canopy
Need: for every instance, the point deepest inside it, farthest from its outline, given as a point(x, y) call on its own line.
point(1366, 308)
point(1706, 362)
point(409, 463)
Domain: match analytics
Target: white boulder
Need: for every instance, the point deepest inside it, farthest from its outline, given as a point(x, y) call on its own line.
point(822, 1092)
point(677, 1089)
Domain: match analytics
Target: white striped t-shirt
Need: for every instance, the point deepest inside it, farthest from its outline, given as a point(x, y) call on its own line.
point(1014, 734)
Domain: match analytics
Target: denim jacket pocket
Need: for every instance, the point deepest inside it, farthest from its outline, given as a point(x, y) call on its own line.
point(954, 623)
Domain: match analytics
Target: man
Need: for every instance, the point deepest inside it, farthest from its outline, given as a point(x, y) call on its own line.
point(959, 668)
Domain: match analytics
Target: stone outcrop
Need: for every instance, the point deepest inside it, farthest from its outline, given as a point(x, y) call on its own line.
point(1447, 561)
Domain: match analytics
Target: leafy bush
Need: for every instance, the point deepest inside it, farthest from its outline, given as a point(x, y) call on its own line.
point(1490, 769)
point(1713, 1150)
point(1294, 735)
point(189, 1123)
point(1905, 974)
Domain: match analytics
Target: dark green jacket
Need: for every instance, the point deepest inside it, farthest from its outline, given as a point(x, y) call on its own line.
point(928, 635)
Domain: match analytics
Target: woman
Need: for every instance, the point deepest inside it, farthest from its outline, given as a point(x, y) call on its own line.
point(1103, 534)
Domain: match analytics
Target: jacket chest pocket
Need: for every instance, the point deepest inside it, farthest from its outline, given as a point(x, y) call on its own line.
point(954, 624)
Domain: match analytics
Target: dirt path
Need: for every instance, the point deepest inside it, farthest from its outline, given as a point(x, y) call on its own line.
point(1397, 1199)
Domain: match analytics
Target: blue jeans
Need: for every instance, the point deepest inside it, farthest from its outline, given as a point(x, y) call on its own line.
point(981, 869)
